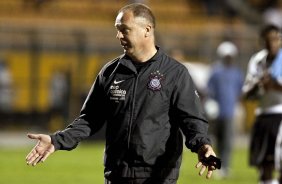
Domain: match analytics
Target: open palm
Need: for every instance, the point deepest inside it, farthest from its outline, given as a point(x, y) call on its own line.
point(41, 150)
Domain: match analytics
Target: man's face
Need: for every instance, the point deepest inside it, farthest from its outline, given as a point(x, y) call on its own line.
point(273, 42)
point(130, 32)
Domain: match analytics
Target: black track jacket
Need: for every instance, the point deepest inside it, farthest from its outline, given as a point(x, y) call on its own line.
point(144, 113)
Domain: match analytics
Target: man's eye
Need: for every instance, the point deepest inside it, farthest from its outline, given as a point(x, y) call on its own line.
point(125, 31)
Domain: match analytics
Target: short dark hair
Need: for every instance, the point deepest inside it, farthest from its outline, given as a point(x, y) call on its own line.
point(140, 10)
point(268, 28)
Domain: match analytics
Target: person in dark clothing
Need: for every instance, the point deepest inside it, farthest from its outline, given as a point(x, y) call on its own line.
point(149, 100)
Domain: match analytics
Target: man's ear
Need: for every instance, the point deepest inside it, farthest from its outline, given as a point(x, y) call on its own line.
point(148, 30)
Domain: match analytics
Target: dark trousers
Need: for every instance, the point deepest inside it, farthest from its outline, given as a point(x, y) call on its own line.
point(224, 132)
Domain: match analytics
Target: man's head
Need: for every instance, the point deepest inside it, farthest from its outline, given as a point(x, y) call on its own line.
point(227, 51)
point(271, 36)
point(135, 25)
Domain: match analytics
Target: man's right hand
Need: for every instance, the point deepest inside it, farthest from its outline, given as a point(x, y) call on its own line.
point(41, 150)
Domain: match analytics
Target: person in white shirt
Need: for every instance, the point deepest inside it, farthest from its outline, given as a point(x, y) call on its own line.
point(263, 83)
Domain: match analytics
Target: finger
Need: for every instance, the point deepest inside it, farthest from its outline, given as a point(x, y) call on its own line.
point(209, 174)
point(202, 170)
point(37, 159)
point(46, 155)
point(212, 168)
point(209, 153)
point(32, 159)
point(31, 154)
point(33, 136)
point(199, 164)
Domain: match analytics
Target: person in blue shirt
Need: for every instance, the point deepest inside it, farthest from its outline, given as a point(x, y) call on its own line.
point(224, 87)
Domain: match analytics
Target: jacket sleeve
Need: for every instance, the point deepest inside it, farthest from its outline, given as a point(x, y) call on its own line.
point(90, 120)
point(188, 112)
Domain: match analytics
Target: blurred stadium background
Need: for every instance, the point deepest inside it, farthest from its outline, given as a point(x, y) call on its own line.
point(51, 51)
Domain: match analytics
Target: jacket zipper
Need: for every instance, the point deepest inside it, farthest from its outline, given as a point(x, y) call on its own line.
point(132, 111)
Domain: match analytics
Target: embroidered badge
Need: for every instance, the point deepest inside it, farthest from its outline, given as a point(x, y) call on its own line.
point(155, 81)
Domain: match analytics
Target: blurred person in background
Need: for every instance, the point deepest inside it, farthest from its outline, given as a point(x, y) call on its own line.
point(146, 99)
point(224, 87)
point(264, 83)
point(5, 87)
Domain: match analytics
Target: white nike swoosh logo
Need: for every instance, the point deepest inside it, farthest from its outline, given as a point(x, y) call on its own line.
point(117, 82)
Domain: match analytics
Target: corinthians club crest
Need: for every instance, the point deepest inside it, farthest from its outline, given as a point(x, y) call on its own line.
point(155, 81)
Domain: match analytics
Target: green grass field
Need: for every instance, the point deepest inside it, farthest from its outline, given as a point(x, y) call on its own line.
point(84, 165)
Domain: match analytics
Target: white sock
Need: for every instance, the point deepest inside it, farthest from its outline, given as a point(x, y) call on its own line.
point(269, 182)
point(275, 182)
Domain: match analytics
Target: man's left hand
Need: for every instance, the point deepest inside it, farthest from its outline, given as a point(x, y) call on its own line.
point(204, 152)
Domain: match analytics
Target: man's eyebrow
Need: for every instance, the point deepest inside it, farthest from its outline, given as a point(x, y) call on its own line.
point(122, 26)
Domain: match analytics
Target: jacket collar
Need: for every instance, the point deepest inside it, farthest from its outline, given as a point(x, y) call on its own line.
point(127, 61)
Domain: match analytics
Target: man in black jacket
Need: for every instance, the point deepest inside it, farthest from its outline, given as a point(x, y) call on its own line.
point(149, 100)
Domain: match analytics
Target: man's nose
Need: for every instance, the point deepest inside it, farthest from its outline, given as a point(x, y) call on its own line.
point(119, 35)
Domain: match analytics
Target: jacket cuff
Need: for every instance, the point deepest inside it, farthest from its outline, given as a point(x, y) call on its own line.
point(55, 142)
point(196, 145)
